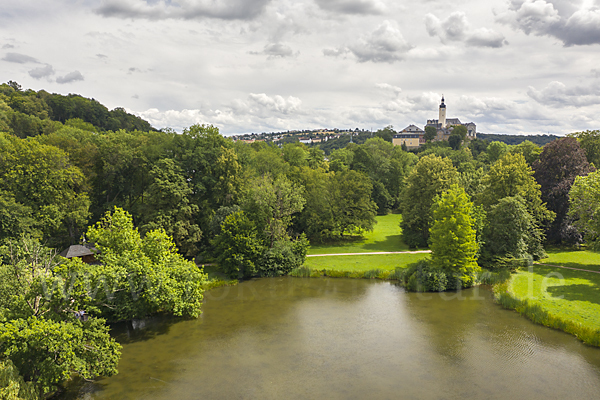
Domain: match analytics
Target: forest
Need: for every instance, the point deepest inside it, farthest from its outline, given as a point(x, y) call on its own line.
point(156, 204)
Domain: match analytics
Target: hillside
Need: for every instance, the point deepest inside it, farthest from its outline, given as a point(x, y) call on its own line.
point(27, 113)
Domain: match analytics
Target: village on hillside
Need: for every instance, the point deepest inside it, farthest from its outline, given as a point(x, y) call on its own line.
point(412, 136)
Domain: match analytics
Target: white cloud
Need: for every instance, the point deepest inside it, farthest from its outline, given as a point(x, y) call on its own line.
point(70, 77)
point(456, 28)
point(384, 44)
point(276, 50)
point(573, 24)
point(19, 58)
point(183, 9)
point(42, 72)
point(360, 7)
point(557, 94)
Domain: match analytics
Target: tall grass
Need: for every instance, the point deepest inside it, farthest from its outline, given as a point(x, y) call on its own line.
point(306, 272)
point(537, 314)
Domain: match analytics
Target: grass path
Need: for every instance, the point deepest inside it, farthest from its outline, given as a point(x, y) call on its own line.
point(370, 253)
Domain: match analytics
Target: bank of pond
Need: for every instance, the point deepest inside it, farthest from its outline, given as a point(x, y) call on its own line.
point(345, 338)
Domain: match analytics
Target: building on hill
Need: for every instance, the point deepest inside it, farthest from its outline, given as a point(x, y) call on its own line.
point(445, 125)
point(413, 137)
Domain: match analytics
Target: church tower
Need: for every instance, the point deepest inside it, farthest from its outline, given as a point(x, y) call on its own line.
point(442, 119)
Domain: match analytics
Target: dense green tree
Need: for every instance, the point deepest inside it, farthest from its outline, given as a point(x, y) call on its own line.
point(530, 151)
point(39, 332)
point(48, 352)
point(585, 207)
point(431, 176)
point(478, 146)
point(452, 238)
point(511, 176)
point(271, 205)
point(12, 385)
point(496, 150)
point(295, 154)
point(353, 208)
point(455, 140)
point(39, 180)
point(340, 160)
point(509, 234)
point(590, 142)
point(168, 206)
point(238, 246)
point(141, 276)
point(386, 133)
point(559, 164)
point(430, 133)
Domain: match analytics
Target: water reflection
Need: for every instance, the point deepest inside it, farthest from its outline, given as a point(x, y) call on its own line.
point(342, 338)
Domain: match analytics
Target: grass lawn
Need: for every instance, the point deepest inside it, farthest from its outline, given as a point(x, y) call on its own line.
point(582, 259)
point(385, 237)
point(363, 263)
point(567, 294)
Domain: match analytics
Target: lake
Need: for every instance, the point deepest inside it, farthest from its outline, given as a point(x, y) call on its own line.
point(295, 338)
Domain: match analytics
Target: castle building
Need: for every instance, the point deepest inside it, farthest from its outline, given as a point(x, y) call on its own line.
point(413, 137)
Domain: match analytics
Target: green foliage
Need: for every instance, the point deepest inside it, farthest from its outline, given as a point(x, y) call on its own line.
point(12, 385)
point(423, 277)
point(386, 133)
point(585, 207)
point(496, 150)
point(511, 176)
point(590, 142)
point(238, 246)
point(510, 235)
point(168, 206)
point(559, 164)
point(283, 257)
point(39, 183)
point(47, 352)
point(430, 133)
point(540, 140)
point(139, 276)
point(431, 176)
point(452, 238)
point(529, 150)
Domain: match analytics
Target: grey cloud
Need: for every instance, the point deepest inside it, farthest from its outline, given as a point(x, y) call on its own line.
point(335, 52)
point(456, 28)
point(573, 23)
point(384, 44)
point(101, 56)
point(134, 69)
point(352, 6)
point(8, 46)
point(557, 94)
point(19, 58)
point(42, 72)
point(70, 77)
point(276, 50)
point(183, 9)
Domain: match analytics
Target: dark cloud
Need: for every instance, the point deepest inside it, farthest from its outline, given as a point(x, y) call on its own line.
point(573, 23)
point(134, 69)
point(19, 58)
point(276, 50)
point(183, 9)
point(70, 77)
point(557, 94)
point(352, 6)
point(42, 72)
point(456, 28)
point(384, 44)
point(8, 46)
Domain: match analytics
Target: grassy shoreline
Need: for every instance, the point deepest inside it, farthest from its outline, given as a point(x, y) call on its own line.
point(558, 298)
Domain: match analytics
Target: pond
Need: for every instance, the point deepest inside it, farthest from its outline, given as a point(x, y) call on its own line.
point(297, 338)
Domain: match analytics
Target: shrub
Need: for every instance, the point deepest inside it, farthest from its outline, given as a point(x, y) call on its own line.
point(283, 257)
point(422, 277)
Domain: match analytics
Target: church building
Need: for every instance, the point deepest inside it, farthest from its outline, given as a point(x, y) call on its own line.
point(413, 137)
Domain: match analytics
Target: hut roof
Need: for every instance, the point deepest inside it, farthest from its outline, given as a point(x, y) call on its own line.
point(78, 250)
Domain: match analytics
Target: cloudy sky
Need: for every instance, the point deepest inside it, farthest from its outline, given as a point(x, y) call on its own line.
point(510, 66)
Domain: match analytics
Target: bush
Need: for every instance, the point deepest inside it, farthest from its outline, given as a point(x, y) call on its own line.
point(283, 257)
point(422, 277)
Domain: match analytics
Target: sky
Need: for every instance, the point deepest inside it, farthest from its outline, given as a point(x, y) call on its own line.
point(510, 66)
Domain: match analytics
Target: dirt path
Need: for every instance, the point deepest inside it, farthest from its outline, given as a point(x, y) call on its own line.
point(371, 253)
point(574, 269)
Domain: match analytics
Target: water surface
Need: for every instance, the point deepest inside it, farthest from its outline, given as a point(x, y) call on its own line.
point(297, 338)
